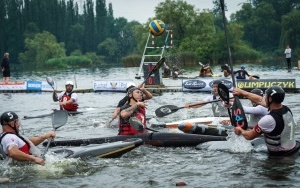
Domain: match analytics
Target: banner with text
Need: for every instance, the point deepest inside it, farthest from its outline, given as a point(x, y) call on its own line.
point(203, 84)
point(266, 83)
point(110, 85)
point(13, 86)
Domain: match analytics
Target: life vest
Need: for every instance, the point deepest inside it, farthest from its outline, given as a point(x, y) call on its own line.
point(124, 126)
point(241, 74)
point(68, 107)
point(25, 148)
point(283, 135)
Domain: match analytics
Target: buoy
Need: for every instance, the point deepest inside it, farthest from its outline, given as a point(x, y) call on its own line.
point(181, 183)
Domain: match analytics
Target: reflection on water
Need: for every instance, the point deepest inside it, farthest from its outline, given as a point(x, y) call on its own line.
point(145, 166)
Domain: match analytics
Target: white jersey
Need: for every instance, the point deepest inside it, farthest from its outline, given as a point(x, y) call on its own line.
point(218, 108)
point(10, 140)
point(255, 114)
point(288, 53)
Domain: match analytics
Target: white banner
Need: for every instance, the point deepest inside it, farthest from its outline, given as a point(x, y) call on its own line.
point(203, 84)
point(13, 86)
point(110, 85)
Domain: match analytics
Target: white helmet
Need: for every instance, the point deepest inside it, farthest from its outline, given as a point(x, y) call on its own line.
point(69, 83)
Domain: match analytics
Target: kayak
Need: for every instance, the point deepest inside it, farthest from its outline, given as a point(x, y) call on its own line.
point(192, 77)
point(105, 150)
point(71, 113)
point(194, 128)
point(159, 139)
point(203, 120)
point(258, 145)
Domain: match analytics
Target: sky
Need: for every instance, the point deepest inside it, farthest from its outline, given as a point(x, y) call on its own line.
point(141, 10)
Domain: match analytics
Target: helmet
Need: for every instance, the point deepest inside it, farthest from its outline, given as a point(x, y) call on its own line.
point(69, 83)
point(7, 117)
point(257, 91)
point(243, 67)
point(276, 93)
point(217, 82)
point(129, 85)
point(131, 89)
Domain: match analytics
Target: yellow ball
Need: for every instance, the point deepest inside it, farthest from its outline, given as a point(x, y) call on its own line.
point(157, 27)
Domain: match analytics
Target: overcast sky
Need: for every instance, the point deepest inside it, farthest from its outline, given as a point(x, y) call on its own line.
point(141, 10)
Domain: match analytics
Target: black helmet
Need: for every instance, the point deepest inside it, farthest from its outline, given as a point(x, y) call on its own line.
point(217, 82)
point(7, 117)
point(276, 93)
point(257, 92)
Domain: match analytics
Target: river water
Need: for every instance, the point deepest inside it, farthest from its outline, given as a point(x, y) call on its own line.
point(146, 166)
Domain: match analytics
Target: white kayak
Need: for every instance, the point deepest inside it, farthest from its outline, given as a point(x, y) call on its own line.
point(202, 120)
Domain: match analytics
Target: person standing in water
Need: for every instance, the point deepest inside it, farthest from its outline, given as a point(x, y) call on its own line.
point(5, 68)
point(288, 56)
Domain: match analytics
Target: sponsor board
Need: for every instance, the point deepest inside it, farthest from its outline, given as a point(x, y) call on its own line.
point(34, 86)
point(46, 86)
point(203, 84)
point(110, 85)
point(13, 86)
point(266, 83)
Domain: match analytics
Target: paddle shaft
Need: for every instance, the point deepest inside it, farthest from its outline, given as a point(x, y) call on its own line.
point(155, 68)
point(227, 41)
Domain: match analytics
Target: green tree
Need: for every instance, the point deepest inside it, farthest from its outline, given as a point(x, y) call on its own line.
point(290, 31)
point(43, 47)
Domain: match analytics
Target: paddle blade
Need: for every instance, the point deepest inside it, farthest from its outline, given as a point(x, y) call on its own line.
point(223, 92)
point(59, 118)
point(238, 115)
point(136, 124)
point(166, 110)
point(50, 82)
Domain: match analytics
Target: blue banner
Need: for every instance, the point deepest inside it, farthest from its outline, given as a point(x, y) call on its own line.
point(34, 86)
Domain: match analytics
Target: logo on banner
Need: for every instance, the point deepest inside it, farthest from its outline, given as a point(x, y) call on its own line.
point(227, 83)
point(34, 85)
point(114, 85)
point(194, 84)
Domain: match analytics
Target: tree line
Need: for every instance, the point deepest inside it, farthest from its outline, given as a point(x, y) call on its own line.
point(59, 33)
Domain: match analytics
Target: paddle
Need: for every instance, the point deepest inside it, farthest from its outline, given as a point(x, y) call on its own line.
point(40, 116)
point(170, 109)
point(59, 118)
point(155, 68)
point(238, 118)
point(51, 83)
point(254, 76)
point(75, 80)
point(224, 94)
point(238, 115)
point(137, 125)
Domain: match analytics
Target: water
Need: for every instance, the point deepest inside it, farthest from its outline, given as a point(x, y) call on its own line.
point(145, 166)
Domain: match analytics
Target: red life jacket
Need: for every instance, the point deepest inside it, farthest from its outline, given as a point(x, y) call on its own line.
point(68, 107)
point(24, 148)
point(126, 129)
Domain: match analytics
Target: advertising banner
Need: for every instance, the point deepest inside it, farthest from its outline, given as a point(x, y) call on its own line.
point(110, 85)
